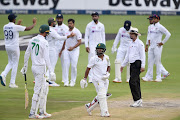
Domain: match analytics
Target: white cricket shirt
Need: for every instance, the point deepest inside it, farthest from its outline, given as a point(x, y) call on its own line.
point(123, 37)
point(11, 34)
point(72, 41)
point(156, 33)
point(39, 49)
point(53, 37)
point(94, 34)
point(135, 52)
point(99, 66)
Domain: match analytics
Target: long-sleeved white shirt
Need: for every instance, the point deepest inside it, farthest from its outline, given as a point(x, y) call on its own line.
point(72, 41)
point(94, 34)
point(39, 49)
point(156, 33)
point(60, 29)
point(53, 37)
point(148, 35)
point(11, 34)
point(135, 52)
point(123, 37)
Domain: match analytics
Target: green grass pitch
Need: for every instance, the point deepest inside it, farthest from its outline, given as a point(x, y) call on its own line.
point(12, 100)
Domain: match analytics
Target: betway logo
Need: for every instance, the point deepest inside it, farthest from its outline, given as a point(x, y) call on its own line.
point(163, 3)
point(31, 2)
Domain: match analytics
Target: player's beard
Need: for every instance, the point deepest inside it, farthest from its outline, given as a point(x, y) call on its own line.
point(59, 22)
point(95, 20)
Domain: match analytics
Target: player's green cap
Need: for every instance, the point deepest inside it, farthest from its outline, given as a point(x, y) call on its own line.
point(44, 28)
point(101, 46)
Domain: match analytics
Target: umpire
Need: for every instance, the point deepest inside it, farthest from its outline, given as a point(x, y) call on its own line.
point(136, 57)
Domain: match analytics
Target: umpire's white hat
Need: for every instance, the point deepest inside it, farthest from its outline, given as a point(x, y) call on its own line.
point(135, 31)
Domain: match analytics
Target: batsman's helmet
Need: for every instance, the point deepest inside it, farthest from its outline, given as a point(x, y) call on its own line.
point(100, 46)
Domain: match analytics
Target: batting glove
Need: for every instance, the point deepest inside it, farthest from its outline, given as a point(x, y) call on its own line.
point(106, 76)
point(53, 76)
point(24, 70)
point(83, 83)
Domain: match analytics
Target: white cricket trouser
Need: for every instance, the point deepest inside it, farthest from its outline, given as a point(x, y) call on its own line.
point(121, 54)
point(70, 57)
point(58, 49)
point(98, 84)
point(40, 84)
point(154, 54)
point(91, 54)
point(53, 60)
point(13, 60)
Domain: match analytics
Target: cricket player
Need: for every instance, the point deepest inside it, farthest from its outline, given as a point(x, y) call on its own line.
point(156, 31)
point(38, 48)
point(94, 34)
point(11, 37)
point(60, 28)
point(124, 38)
point(100, 64)
point(71, 53)
point(164, 72)
point(136, 57)
point(52, 38)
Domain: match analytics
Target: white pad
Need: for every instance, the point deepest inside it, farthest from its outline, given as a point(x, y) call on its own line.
point(103, 101)
point(92, 105)
point(83, 83)
point(117, 69)
point(128, 72)
point(42, 107)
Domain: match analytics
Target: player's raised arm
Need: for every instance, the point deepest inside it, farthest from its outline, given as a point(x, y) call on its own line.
point(32, 26)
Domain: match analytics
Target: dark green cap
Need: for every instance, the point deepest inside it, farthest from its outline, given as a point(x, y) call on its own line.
point(101, 46)
point(44, 28)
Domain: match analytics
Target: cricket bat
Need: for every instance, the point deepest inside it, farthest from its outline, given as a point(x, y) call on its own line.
point(26, 93)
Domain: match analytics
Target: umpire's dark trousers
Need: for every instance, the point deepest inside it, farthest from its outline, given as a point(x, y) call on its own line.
point(134, 81)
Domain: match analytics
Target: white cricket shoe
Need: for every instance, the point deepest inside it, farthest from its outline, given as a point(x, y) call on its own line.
point(45, 115)
point(53, 84)
point(145, 79)
point(13, 85)
point(72, 84)
point(158, 80)
point(106, 114)
point(116, 80)
point(137, 103)
point(87, 108)
point(127, 81)
point(3, 80)
point(165, 76)
point(33, 116)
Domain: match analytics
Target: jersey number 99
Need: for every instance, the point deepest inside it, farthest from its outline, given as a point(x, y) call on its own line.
point(36, 48)
point(8, 34)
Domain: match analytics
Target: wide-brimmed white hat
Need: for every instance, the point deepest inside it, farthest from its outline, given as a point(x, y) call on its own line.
point(135, 31)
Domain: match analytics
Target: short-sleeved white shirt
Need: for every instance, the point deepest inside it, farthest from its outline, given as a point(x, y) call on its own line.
point(99, 66)
point(11, 34)
point(72, 41)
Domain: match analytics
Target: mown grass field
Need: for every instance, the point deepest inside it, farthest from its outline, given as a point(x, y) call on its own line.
point(12, 100)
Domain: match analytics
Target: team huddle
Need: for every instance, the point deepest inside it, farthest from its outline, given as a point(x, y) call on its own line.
point(61, 41)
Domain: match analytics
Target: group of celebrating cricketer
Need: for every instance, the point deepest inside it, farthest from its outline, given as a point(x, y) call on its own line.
point(54, 41)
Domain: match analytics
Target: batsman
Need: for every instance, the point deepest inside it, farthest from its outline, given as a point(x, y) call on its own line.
point(38, 48)
point(100, 65)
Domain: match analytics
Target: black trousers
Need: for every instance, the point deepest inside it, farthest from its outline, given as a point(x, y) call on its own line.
point(134, 81)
